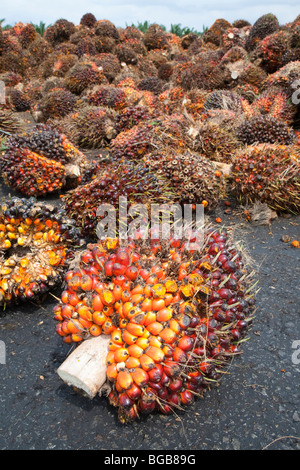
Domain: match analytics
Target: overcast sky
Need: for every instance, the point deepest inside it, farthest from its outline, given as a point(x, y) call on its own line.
point(190, 13)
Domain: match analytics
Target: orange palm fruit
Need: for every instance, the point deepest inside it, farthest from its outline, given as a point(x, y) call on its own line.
point(117, 292)
point(168, 335)
point(171, 286)
point(132, 362)
point(112, 372)
point(86, 282)
point(140, 377)
point(76, 337)
point(149, 318)
point(97, 304)
point(137, 290)
point(125, 296)
point(114, 346)
point(95, 330)
point(108, 327)
point(128, 338)
point(158, 304)
point(124, 379)
point(147, 291)
point(155, 328)
point(116, 336)
point(142, 342)
point(85, 323)
point(135, 329)
point(147, 362)
point(110, 358)
point(85, 312)
point(174, 325)
point(159, 290)
point(146, 305)
point(155, 341)
point(164, 315)
point(126, 308)
point(67, 311)
point(136, 298)
point(107, 297)
point(108, 311)
point(74, 326)
point(155, 353)
point(99, 318)
point(135, 350)
point(123, 322)
point(68, 339)
point(121, 354)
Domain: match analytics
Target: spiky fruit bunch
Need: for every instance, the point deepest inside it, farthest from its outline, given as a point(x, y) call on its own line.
point(270, 174)
point(272, 49)
point(27, 35)
point(109, 96)
point(41, 162)
point(187, 40)
point(153, 84)
point(109, 65)
point(171, 99)
point(106, 28)
point(60, 31)
point(155, 38)
point(191, 177)
point(240, 23)
point(18, 100)
point(145, 136)
point(9, 123)
point(136, 45)
point(86, 46)
point(264, 26)
point(131, 32)
point(90, 127)
point(264, 129)
point(56, 103)
point(165, 71)
point(126, 54)
point(216, 143)
point(274, 102)
point(35, 243)
point(233, 37)
point(285, 77)
point(174, 316)
point(83, 75)
point(131, 116)
point(88, 20)
point(214, 33)
point(253, 75)
point(227, 100)
point(132, 180)
point(63, 64)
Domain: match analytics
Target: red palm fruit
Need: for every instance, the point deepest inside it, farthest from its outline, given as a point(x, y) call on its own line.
point(86, 283)
point(131, 272)
point(108, 268)
point(99, 318)
point(168, 336)
point(125, 401)
point(155, 328)
point(118, 269)
point(149, 318)
point(67, 311)
point(155, 341)
point(164, 315)
point(132, 362)
point(140, 377)
point(57, 313)
point(64, 327)
point(120, 280)
point(146, 407)
point(144, 273)
point(97, 304)
point(156, 373)
point(171, 368)
point(173, 399)
point(95, 330)
point(134, 392)
point(122, 257)
point(184, 321)
point(117, 292)
point(155, 353)
point(135, 350)
point(59, 330)
point(175, 385)
point(112, 372)
point(147, 363)
point(186, 397)
point(135, 329)
point(186, 343)
point(68, 339)
point(205, 367)
point(128, 338)
point(73, 299)
point(116, 336)
point(124, 379)
point(74, 282)
point(125, 296)
point(65, 297)
point(99, 287)
point(108, 327)
point(142, 342)
point(179, 355)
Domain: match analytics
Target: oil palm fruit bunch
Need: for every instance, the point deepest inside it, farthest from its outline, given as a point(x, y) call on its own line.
point(60, 31)
point(82, 76)
point(18, 100)
point(145, 136)
point(191, 177)
point(109, 96)
point(215, 142)
point(269, 173)
point(155, 38)
point(215, 32)
point(271, 50)
point(264, 26)
point(56, 103)
point(285, 77)
point(88, 20)
point(264, 129)
point(275, 102)
point(109, 64)
point(131, 116)
point(171, 99)
point(9, 123)
point(36, 243)
point(227, 100)
point(90, 127)
point(106, 28)
point(174, 316)
point(41, 161)
point(136, 181)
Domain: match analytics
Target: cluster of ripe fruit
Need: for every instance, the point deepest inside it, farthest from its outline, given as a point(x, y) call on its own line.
point(174, 316)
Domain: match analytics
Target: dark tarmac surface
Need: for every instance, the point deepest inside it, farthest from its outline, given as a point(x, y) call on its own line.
point(255, 406)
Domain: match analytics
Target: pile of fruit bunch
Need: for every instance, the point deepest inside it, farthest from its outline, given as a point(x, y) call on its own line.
point(134, 180)
point(36, 243)
point(41, 161)
point(269, 173)
point(174, 313)
point(191, 177)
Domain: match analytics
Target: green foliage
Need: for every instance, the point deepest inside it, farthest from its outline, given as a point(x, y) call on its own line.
point(176, 29)
point(40, 28)
point(6, 27)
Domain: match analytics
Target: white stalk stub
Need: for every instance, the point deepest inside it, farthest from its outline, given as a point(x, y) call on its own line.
point(85, 368)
